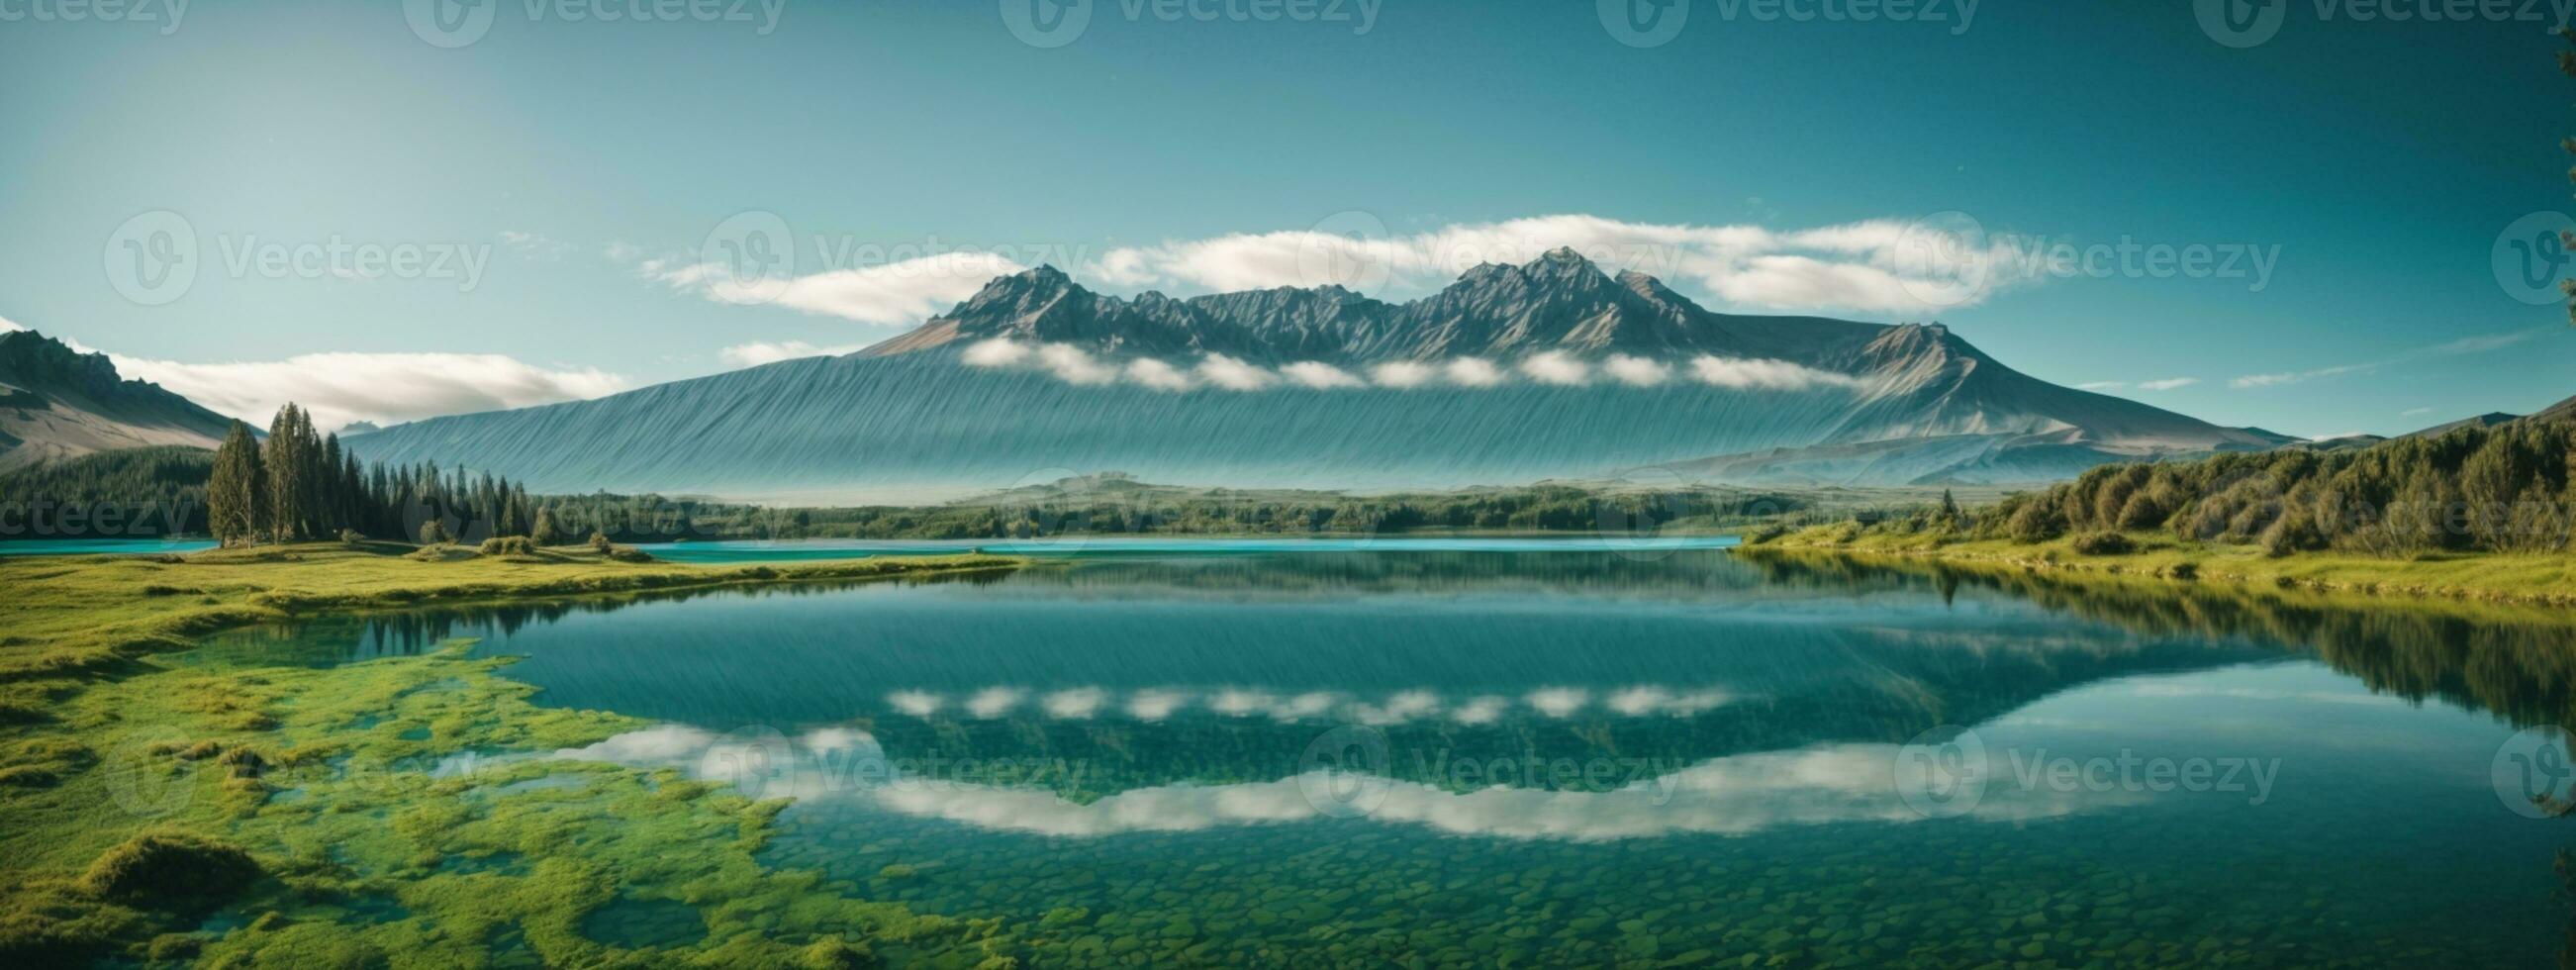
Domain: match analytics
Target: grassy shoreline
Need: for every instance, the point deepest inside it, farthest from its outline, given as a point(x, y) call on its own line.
point(77, 616)
point(138, 795)
point(2536, 579)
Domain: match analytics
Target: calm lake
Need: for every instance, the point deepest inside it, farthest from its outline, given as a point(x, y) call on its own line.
point(1671, 755)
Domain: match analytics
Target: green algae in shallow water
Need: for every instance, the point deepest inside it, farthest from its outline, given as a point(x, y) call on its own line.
point(373, 863)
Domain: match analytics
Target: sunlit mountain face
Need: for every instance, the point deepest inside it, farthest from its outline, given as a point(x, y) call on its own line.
point(1512, 373)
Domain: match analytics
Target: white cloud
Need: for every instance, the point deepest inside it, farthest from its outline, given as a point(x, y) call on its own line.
point(2167, 384)
point(1556, 367)
point(6, 325)
point(759, 352)
point(534, 246)
point(1473, 372)
point(892, 294)
point(1402, 373)
point(1154, 705)
point(1636, 371)
point(1157, 375)
point(1322, 377)
point(997, 352)
point(992, 702)
point(1559, 702)
point(1234, 375)
point(2464, 346)
point(2411, 412)
point(1073, 365)
point(339, 388)
point(1764, 375)
point(2101, 385)
point(1076, 704)
point(1479, 711)
point(1878, 265)
point(915, 703)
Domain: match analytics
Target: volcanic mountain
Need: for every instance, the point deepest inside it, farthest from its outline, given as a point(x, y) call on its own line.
point(57, 403)
point(1034, 378)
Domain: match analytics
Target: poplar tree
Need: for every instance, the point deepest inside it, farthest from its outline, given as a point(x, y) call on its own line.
point(236, 495)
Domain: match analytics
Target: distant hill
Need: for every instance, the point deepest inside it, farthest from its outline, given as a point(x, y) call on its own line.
point(911, 417)
point(2487, 420)
point(2561, 411)
point(58, 403)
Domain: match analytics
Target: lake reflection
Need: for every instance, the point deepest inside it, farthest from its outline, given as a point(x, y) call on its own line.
point(1569, 757)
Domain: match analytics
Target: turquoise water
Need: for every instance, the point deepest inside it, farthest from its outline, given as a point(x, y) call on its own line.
point(1484, 757)
point(101, 547)
point(792, 550)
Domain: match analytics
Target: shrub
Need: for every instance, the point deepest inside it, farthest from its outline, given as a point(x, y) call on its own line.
point(2104, 544)
point(434, 533)
point(1765, 534)
point(508, 546)
point(599, 543)
point(351, 537)
point(2035, 521)
point(171, 870)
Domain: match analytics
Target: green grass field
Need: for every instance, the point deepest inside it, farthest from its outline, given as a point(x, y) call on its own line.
point(2528, 578)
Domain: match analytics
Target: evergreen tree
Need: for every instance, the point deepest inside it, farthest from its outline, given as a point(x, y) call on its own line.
point(236, 499)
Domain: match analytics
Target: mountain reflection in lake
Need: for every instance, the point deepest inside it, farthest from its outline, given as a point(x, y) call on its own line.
point(1582, 756)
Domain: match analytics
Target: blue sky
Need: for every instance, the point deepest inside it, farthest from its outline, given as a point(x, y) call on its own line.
point(556, 178)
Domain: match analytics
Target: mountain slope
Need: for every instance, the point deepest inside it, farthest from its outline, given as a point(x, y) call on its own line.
point(58, 403)
point(910, 417)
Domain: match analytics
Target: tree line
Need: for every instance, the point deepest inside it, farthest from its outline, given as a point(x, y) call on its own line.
point(298, 485)
point(2500, 489)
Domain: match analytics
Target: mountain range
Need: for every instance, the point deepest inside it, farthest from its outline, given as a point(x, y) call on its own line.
point(1732, 398)
point(57, 403)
